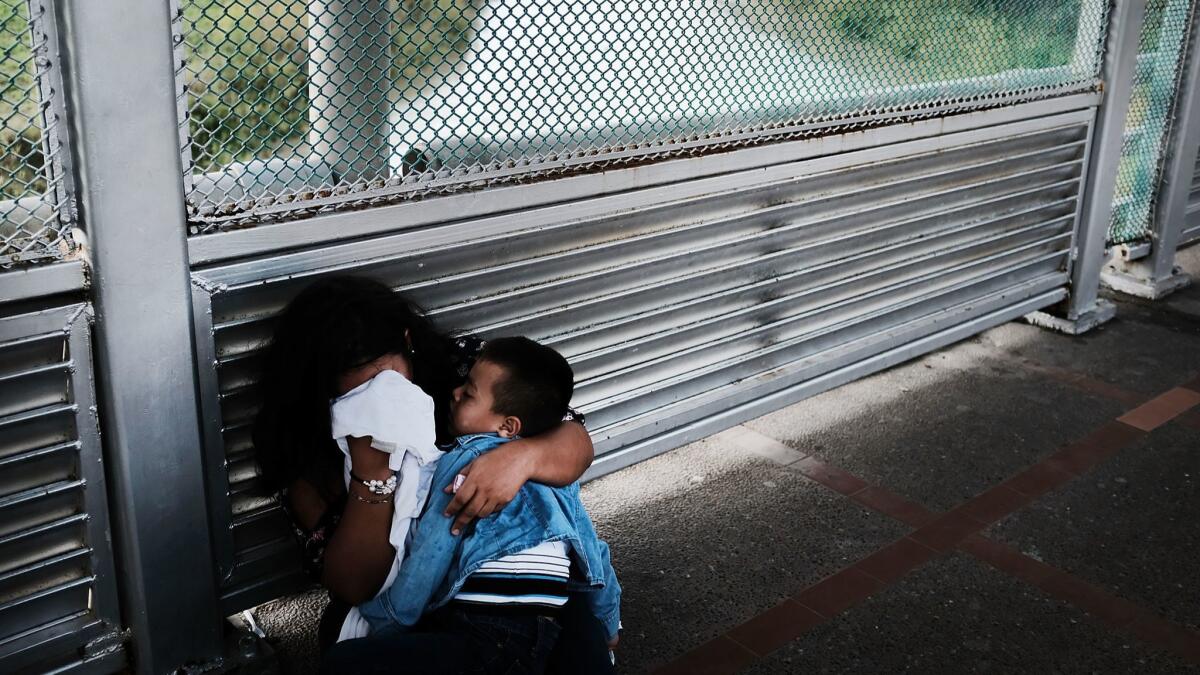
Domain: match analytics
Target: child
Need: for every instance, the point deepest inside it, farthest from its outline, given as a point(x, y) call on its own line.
point(491, 596)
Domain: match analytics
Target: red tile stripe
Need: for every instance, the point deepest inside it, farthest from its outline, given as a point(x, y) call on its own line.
point(829, 476)
point(893, 505)
point(935, 534)
point(718, 656)
point(1110, 610)
point(1161, 409)
point(1092, 385)
point(892, 562)
point(812, 606)
point(1080, 456)
point(775, 627)
point(837, 593)
point(958, 528)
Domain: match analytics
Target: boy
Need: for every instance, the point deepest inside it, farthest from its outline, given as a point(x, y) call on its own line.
point(490, 597)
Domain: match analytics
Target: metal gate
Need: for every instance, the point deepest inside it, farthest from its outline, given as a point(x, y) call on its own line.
point(58, 603)
point(688, 199)
point(59, 608)
point(706, 300)
point(729, 229)
point(1153, 198)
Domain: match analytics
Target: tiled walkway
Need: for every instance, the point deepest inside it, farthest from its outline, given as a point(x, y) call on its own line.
point(959, 529)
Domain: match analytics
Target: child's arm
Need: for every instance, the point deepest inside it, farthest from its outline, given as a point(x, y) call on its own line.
point(428, 561)
point(557, 457)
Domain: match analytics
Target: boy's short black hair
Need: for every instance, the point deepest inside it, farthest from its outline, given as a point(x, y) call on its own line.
point(537, 383)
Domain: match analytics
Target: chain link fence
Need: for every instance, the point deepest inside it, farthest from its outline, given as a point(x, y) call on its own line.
point(35, 215)
point(1162, 48)
point(296, 107)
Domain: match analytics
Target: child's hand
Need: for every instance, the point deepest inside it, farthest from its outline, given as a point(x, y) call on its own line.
point(612, 644)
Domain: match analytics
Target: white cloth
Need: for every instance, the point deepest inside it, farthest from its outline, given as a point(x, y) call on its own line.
point(398, 417)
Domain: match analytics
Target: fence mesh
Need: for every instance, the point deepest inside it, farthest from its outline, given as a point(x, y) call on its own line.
point(34, 225)
point(294, 107)
point(1161, 50)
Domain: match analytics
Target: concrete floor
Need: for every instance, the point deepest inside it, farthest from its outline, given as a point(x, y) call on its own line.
point(980, 509)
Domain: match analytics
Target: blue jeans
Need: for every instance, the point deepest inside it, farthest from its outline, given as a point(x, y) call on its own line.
point(580, 649)
point(452, 641)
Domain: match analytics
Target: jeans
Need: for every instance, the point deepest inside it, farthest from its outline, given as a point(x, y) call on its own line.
point(452, 641)
point(581, 648)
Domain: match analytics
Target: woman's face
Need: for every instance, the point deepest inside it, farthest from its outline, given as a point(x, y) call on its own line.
point(356, 376)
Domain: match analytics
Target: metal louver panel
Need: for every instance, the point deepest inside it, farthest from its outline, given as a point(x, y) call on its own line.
point(58, 604)
point(695, 302)
point(1191, 225)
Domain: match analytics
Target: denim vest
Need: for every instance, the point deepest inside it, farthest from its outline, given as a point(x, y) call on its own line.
point(438, 562)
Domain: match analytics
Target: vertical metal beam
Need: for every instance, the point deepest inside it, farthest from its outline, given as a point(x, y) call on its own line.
point(1119, 67)
point(1154, 277)
point(121, 88)
point(348, 84)
point(1184, 143)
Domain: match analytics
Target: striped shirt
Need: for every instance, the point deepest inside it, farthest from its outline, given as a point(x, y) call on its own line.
point(533, 578)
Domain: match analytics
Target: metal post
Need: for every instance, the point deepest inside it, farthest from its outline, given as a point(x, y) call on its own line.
point(121, 88)
point(1156, 276)
point(348, 64)
point(1084, 309)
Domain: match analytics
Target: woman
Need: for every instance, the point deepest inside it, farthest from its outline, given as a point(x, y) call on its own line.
point(342, 325)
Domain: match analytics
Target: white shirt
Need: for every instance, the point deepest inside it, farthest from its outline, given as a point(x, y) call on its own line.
point(398, 416)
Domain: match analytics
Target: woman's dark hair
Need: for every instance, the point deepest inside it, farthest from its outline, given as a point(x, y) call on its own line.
point(333, 325)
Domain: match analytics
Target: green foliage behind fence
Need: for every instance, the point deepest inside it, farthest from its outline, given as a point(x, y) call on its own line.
point(247, 69)
point(930, 40)
point(20, 132)
point(248, 74)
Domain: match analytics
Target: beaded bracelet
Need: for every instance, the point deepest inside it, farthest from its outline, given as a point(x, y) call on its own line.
point(364, 500)
point(378, 487)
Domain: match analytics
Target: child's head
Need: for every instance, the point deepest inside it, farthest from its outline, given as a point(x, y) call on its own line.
point(516, 387)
